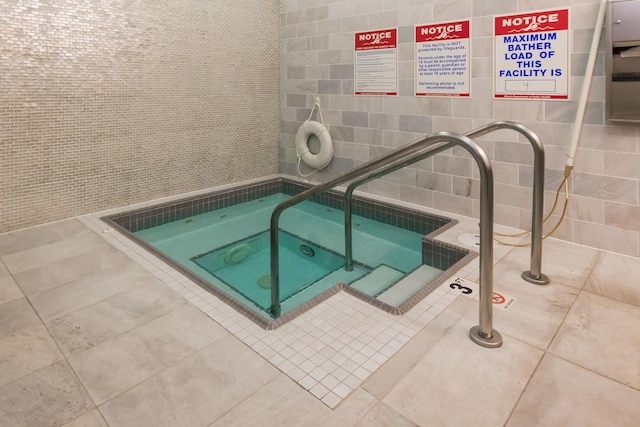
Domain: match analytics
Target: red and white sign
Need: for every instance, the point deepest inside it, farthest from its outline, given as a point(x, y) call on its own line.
point(531, 54)
point(443, 59)
point(502, 301)
point(376, 62)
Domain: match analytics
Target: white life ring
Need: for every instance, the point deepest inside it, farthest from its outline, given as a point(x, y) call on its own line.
point(322, 158)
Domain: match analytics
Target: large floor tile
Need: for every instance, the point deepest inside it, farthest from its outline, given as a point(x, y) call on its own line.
point(26, 351)
point(84, 241)
point(89, 419)
point(88, 290)
point(51, 274)
point(460, 383)
point(9, 289)
point(48, 397)
point(283, 403)
point(388, 375)
point(90, 326)
point(616, 276)
point(563, 394)
point(119, 364)
point(538, 311)
point(536, 314)
point(22, 240)
point(563, 262)
point(382, 416)
point(196, 391)
point(601, 334)
point(16, 315)
point(3, 269)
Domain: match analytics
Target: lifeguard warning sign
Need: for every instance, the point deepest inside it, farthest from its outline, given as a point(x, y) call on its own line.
point(376, 62)
point(442, 59)
point(531, 55)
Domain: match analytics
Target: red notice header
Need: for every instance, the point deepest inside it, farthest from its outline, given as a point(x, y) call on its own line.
point(553, 20)
point(448, 31)
point(381, 39)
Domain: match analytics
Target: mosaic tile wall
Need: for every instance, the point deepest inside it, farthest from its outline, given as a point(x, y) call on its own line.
point(317, 60)
point(105, 103)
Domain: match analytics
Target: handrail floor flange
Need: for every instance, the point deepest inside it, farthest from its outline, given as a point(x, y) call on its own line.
point(542, 279)
point(494, 341)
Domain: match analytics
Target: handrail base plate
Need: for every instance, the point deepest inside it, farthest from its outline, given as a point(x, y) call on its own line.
point(494, 342)
point(542, 280)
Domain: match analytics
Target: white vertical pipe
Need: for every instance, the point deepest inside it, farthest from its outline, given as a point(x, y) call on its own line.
point(586, 85)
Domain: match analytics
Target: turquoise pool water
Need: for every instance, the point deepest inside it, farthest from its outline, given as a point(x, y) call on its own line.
point(245, 266)
point(229, 248)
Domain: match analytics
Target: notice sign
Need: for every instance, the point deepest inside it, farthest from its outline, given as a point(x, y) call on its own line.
point(532, 55)
point(442, 59)
point(376, 63)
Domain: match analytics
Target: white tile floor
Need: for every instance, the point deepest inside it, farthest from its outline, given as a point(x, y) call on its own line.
point(92, 337)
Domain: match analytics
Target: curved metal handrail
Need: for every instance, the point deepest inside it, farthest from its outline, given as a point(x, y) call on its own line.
point(534, 275)
point(483, 334)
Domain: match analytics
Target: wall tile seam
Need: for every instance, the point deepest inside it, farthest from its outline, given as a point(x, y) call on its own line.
point(614, 245)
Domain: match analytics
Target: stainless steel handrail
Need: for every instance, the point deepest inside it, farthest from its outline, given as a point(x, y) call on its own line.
point(483, 334)
point(534, 275)
point(348, 195)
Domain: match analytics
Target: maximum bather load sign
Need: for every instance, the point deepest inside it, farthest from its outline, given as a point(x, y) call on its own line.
point(531, 54)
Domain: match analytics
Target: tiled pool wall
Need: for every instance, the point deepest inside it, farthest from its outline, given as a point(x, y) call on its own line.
point(143, 218)
point(441, 255)
point(387, 213)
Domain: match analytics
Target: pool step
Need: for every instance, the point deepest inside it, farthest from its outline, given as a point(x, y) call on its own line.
point(338, 276)
point(343, 276)
point(378, 280)
point(407, 287)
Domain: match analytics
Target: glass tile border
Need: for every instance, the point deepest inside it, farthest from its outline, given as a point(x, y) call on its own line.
point(143, 218)
point(407, 218)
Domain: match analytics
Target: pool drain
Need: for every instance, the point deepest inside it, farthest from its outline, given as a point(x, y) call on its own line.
point(237, 254)
point(265, 281)
point(306, 251)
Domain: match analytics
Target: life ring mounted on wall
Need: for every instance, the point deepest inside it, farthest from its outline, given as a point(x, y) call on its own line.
point(310, 128)
point(320, 159)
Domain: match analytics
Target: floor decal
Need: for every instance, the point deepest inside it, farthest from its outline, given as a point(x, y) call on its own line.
point(472, 290)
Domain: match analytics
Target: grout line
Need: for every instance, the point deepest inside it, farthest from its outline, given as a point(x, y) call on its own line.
point(524, 389)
